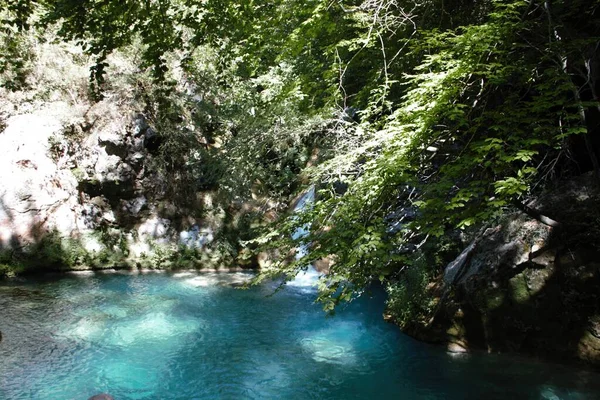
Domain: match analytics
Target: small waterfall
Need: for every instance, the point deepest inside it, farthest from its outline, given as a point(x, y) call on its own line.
point(308, 278)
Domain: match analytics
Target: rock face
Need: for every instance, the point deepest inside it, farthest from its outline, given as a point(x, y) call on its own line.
point(35, 192)
point(87, 194)
point(526, 287)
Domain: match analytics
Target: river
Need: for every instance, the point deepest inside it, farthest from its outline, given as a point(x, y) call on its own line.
point(194, 335)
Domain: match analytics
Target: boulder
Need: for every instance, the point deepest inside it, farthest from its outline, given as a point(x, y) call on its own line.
point(152, 140)
point(134, 206)
point(524, 286)
point(196, 237)
point(154, 229)
point(114, 144)
point(140, 125)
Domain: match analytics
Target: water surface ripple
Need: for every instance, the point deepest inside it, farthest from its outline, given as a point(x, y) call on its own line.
point(195, 336)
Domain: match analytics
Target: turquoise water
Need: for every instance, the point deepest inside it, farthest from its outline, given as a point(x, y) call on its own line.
point(195, 336)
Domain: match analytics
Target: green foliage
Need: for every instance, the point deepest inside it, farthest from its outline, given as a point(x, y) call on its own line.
point(5, 270)
point(481, 119)
point(408, 298)
point(463, 108)
point(412, 295)
point(15, 56)
point(34, 68)
point(51, 252)
point(9, 266)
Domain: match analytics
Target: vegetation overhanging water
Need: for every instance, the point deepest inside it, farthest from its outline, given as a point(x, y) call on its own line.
point(187, 335)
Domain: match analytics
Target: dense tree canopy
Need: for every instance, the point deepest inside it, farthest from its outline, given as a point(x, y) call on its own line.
point(427, 115)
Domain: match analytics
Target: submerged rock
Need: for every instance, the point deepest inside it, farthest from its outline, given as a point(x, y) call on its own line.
point(102, 396)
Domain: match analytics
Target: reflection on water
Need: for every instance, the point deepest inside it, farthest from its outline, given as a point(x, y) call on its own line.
point(188, 335)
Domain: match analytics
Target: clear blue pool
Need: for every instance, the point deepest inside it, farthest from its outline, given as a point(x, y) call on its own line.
point(194, 336)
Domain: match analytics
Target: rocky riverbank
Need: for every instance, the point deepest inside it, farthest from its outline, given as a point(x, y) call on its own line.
point(82, 189)
point(523, 286)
